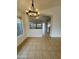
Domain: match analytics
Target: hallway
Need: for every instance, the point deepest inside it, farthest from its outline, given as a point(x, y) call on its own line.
point(41, 48)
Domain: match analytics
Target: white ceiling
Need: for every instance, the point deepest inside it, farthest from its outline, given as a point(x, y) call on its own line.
point(23, 5)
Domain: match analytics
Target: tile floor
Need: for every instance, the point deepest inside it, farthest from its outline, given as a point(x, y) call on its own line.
point(41, 48)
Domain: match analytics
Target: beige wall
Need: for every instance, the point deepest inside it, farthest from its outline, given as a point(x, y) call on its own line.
point(55, 14)
point(21, 38)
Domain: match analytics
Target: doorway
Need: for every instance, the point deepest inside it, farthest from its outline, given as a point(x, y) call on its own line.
point(39, 27)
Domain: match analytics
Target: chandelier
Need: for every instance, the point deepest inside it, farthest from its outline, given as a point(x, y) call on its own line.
point(32, 12)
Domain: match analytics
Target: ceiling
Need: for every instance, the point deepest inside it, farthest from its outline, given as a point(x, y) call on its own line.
point(40, 19)
point(23, 5)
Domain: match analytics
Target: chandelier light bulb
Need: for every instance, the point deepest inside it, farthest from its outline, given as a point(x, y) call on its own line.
point(38, 13)
point(29, 8)
point(36, 9)
point(26, 11)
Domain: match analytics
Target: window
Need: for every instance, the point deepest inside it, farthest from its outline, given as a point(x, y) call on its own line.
point(19, 27)
point(32, 25)
point(39, 26)
point(35, 25)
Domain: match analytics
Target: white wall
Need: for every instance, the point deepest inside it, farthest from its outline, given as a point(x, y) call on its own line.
point(55, 13)
point(35, 33)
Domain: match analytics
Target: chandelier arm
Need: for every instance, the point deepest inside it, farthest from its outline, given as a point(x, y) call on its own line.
point(33, 5)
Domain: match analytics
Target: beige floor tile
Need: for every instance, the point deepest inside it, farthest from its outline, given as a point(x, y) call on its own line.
point(41, 48)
